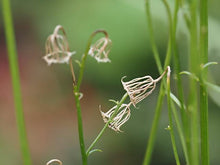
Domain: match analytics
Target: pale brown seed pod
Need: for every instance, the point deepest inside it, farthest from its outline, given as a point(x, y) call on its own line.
point(101, 49)
point(122, 116)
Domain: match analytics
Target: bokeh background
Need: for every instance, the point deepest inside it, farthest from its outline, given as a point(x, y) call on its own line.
point(48, 102)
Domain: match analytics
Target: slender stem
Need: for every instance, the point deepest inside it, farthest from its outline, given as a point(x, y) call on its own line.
point(171, 120)
point(152, 40)
point(77, 94)
point(82, 65)
point(180, 132)
point(106, 125)
point(177, 69)
point(80, 126)
point(193, 98)
point(203, 88)
point(158, 110)
point(152, 137)
point(14, 69)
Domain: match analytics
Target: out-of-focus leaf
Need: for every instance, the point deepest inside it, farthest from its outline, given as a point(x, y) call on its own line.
point(214, 92)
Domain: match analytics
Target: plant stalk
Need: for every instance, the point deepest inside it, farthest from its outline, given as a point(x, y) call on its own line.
point(203, 77)
point(14, 69)
point(76, 91)
point(170, 128)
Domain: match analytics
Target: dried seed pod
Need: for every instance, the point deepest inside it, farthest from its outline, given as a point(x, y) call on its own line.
point(57, 47)
point(101, 49)
point(139, 88)
point(122, 116)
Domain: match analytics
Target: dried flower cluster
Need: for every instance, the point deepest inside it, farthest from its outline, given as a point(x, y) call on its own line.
point(137, 89)
point(57, 47)
point(101, 49)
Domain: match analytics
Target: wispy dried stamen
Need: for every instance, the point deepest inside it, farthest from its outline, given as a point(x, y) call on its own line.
point(122, 116)
point(101, 49)
point(57, 47)
point(54, 161)
point(139, 88)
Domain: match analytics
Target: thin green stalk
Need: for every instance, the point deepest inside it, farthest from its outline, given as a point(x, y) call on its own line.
point(13, 62)
point(180, 132)
point(152, 136)
point(158, 110)
point(80, 126)
point(82, 64)
point(152, 40)
point(170, 128)
point(106, 125)
point(173, 25)
point(193, 98)
point(203, 88)
point(177, 69)
point(76, 92)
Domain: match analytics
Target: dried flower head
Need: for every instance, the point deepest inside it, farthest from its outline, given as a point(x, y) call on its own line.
point(139, 88)
point(101, 49)
point(57, 47)
point(54, 161)
point(122, 116)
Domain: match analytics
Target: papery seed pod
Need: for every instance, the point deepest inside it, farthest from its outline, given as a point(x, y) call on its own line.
point(101, 49)
point(57, 47)
point(139, 88)
point(122, 116)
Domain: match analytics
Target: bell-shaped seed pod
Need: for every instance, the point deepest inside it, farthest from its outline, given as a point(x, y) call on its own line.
point(121, 117)
point(57, 47)
point(101, 49)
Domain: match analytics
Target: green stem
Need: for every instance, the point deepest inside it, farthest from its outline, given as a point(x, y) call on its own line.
point(171, 120)
point(193, 98)
point(153, 131)
point(152, 40)
point(106, 125)
point(180, 132)
point(177, 69)
point(80, 126)
point(203, 88)
point(158, 110)
point(77, 94)
point(14, 69)
point(82, 65)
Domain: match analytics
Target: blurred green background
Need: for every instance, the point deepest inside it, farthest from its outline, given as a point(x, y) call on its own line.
point(47, 91)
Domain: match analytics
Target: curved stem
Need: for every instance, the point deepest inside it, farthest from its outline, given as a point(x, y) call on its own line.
point(14, 69)
point(82, 65)
point(76, 91)
point(106, 125)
